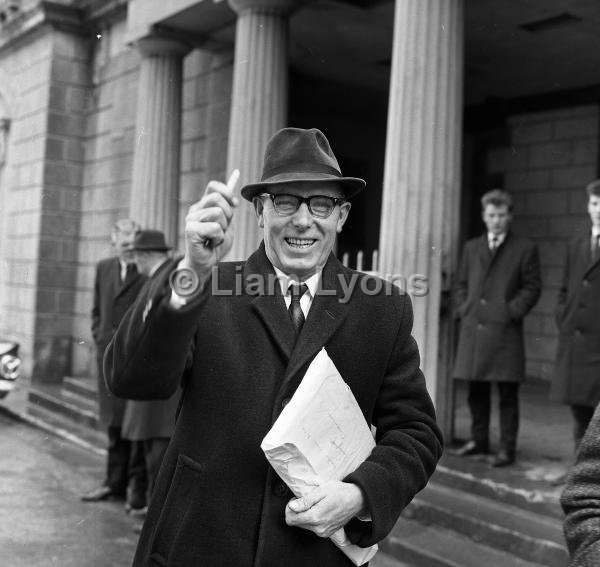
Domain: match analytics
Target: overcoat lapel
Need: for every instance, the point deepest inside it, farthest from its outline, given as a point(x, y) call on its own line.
point(129, 281)
point(483, 252)
point(585, 252)
point(270, 305)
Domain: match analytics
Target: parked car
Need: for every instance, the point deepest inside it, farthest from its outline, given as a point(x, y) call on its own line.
point(9, 366)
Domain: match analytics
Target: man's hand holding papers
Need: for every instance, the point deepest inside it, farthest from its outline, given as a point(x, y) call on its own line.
point(325, 509)
point(320, 437)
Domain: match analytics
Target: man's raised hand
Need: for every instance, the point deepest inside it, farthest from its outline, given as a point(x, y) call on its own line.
point(208, 232)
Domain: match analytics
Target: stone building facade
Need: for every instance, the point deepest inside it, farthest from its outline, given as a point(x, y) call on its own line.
point(125, 108)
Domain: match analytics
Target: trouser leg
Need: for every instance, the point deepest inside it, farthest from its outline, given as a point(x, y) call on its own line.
point(479, 404)
point(137, 476)
point(509, 416)
point(117, 461)
point(581, 417)
point(154, 449)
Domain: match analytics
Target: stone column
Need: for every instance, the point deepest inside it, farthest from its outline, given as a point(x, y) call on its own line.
point(421, 190)
point(155, 183)
point(258, 102)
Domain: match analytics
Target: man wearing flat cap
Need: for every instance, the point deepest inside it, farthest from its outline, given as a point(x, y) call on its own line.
point(151, 423)
point(243, 354)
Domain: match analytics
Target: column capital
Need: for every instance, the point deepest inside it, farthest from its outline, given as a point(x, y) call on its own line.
point(279, 7)
point(153, 45)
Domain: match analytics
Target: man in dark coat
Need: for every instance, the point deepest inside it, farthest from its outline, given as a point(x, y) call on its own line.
point(581, 500)
point(217, 500)
point(116, 286)
point(577, 371)
point(498, 284)
point(151, 422)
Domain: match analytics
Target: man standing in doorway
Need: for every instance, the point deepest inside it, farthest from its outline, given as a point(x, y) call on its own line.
point(498, 284)
point(116, 286)
point(577, 370)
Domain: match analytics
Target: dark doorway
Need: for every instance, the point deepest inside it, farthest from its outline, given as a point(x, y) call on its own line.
point(354, 121)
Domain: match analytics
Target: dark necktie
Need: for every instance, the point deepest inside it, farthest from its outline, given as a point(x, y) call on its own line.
point(595, 247)
point(129, 273)
point(295, 311)
point(493, 246)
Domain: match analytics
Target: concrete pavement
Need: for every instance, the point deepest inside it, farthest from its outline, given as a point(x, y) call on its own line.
point(42, 520)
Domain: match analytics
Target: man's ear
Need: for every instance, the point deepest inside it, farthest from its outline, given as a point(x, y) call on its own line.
point(259, 208)
point(344, 212)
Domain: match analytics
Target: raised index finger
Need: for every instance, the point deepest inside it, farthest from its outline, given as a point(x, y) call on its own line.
point(228, 189)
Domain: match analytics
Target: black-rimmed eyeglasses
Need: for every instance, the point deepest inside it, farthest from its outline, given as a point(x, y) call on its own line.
point(319, 206)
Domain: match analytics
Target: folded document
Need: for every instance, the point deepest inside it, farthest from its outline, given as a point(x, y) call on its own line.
point(321, 435)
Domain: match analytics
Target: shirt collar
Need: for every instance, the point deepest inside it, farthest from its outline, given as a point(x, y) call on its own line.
point(285, 282)
point(499, 237)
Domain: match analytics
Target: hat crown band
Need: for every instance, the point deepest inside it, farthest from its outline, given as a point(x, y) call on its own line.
point(302, 167)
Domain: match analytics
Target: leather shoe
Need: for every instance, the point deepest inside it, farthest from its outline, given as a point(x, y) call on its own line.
point(502, 459)
point(101, 493)
point(468, 449)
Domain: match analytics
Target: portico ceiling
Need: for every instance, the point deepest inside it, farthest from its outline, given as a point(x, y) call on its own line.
point(349, 41)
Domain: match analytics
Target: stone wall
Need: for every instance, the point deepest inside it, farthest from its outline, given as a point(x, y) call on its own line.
point(551, 157)
point(109, 150)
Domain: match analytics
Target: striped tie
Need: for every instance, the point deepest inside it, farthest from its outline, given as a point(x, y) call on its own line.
point(295, 311)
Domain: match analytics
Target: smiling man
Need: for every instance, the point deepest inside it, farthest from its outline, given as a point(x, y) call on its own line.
point(242, 355)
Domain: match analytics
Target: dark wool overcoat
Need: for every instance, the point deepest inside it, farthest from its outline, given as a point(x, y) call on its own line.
point(152, 418)
point(493, 294)
point(217, 500)
point(112, 298)
point(581, 501)
point(577, 369)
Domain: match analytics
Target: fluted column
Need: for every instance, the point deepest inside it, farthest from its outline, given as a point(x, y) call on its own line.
point(259, 100)
point(422, 164)
point(155, 183)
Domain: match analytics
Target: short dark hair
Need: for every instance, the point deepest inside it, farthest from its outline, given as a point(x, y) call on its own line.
point(497, 198)
point(593, 188)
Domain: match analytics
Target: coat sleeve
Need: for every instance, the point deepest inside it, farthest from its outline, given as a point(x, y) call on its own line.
point(581, 500)
point(531, 284)
point(461, 290)
point(408, 441)
point(563, 290)
point(152, 348)
point(96, 305)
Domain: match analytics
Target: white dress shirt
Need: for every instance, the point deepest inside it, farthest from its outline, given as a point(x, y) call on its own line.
point(499, 239)
point(306, 300)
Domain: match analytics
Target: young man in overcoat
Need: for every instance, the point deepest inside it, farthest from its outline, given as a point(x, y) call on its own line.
point(243, 348)
point(577, 370)
point(498, 284)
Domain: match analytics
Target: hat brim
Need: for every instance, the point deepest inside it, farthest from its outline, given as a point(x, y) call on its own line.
point(350, 185)
point(151, 249)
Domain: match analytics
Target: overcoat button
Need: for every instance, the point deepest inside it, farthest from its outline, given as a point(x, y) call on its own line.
point(482, 301)
point(285, 402)
point(480, 326)
point(280, 489)
point(577, 332)
point(585, 283)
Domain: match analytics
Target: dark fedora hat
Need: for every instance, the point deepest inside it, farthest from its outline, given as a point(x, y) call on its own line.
point(150, 240)
point(296, 155)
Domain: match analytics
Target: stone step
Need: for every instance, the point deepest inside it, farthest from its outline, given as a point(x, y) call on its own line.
point(84, 387)
point(66, 428)
point(427, 546)
point(509, 485)
point(520, 532)
point(54, 399)
point(383, 560)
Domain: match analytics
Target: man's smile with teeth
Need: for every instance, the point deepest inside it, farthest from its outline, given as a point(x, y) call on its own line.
point(300, 242)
